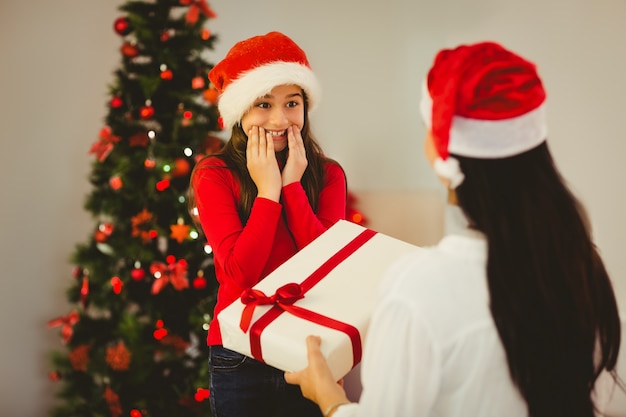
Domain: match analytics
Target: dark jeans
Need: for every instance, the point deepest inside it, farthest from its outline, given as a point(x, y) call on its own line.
point(244, 387)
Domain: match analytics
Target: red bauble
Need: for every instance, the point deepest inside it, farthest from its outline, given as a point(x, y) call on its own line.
point(167, 75)
point(138, 274)
point(149, 163)
point(199, 282)
point(116, 102)
point(197, 83)
point(122, 26)
point(129, 50)
point(99, 236)
point(146, 112)
point(181, 167)
point(211, 95)
point(116, 182)
point(117, 285)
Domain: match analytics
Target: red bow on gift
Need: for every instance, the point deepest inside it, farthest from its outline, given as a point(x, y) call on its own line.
point(284, 296)
point(175, 272)
point(195, 7)
point(67, 323)
point(103, 147)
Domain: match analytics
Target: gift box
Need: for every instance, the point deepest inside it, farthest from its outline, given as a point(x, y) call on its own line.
point(328, 289)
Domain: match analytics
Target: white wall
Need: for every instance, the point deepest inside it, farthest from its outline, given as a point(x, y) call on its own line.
point(57, 59)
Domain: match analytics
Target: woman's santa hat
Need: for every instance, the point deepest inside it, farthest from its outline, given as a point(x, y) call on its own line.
point(253, 67)
point(482, 101)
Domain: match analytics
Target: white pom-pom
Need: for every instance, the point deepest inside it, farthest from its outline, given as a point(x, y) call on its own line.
point(450, 170)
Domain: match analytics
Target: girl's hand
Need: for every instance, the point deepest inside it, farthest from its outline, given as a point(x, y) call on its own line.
point(296, 157)
point(262, 164)
point(316, 380)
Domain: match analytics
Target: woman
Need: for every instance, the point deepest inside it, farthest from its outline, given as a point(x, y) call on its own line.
point(514, 315)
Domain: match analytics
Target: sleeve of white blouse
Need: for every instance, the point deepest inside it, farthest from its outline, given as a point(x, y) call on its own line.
point(401, 370)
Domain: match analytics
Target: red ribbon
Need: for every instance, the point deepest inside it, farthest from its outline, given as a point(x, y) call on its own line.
point(288, 294)
point(67, 324)
point(103, 147)
point(195, 7)
point(176, 273)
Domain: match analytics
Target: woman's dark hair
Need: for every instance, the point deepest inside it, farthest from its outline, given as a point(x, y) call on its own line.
point(234, 154)
point(551, 297)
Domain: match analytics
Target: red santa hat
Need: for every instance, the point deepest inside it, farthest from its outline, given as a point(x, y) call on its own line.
point(482, 101)
point(253, 67)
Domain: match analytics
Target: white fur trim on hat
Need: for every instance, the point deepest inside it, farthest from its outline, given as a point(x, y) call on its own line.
point(491, 138)
point(241, 93)
point(498, 138)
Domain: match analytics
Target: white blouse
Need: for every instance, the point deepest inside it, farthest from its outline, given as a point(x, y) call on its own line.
point(432, 348)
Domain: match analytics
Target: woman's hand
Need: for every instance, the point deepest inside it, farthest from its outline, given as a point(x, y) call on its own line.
point(262, 164)
point(316, 380)
point(296, 157)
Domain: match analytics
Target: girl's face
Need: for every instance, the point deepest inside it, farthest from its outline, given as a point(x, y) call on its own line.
point(275, 112)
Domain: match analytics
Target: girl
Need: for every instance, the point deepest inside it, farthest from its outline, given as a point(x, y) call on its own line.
point(265, 196)
point(515, 314)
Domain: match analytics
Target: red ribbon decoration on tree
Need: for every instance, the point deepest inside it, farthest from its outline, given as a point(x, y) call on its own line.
point(195, 7)
point(67, 324)
point(175, 272)
point(288, 294)
point(103, 147)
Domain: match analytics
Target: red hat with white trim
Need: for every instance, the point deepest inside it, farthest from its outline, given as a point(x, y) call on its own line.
point(482, 101)
point(253, 67)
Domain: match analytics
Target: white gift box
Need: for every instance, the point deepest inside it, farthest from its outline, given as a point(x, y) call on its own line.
point(340, 273)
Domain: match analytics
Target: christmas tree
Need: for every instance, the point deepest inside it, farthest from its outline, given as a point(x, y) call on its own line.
point(143, 287)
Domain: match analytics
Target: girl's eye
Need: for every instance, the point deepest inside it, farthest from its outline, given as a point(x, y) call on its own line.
point(292, 104)
point(263, 105)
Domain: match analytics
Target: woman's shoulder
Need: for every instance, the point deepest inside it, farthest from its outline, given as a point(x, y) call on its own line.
point(440, 266)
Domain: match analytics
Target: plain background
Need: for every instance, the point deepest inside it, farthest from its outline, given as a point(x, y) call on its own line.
point(57, 59)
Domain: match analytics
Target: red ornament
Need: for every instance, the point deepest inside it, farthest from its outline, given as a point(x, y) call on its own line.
point(129, 50)
point(138, 274)
point(116, 182)
point(202, 394)
point(135, 413)
point(99, 236)
point(197, 83)
point(146, 112)
point(139, 139)
point(67, 324)
point(165, 36)
point(105, 143)
point(181, 167)
point(116, 102)
point(54, 376)
point(118, 357)
point(205, 34)
point(149, 163)
point(175, 272)
point(84, 291)
point(199, 282)
point(159, 333)
point(122, 26)
point(106, 228)
point(211, 95)
point(167, 75)
point(117, 285)
point(163, 185)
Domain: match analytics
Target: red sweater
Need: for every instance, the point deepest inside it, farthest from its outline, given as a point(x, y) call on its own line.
point(245, 254)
